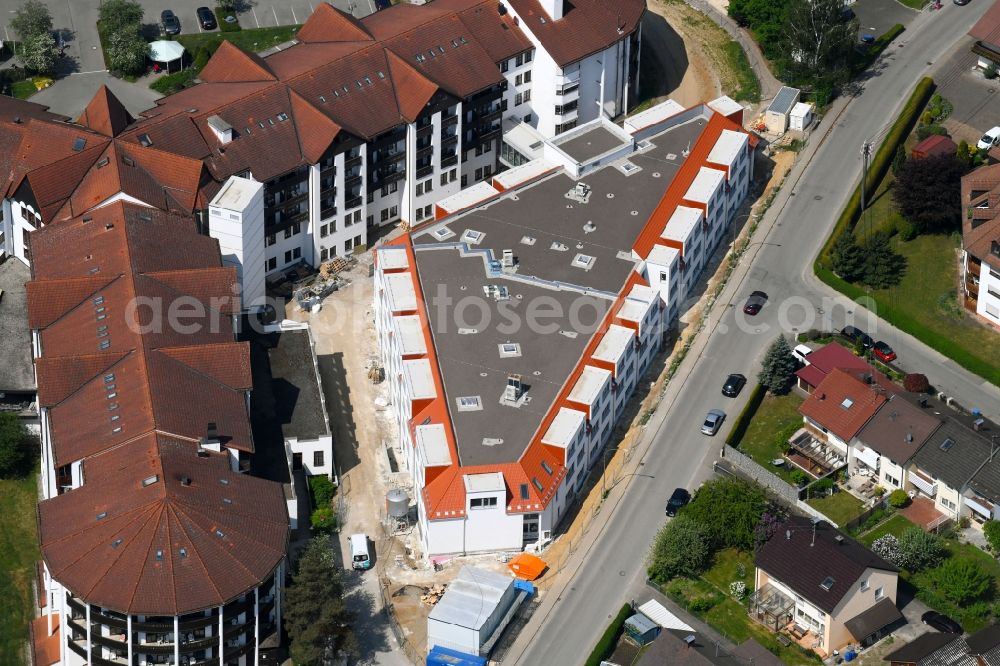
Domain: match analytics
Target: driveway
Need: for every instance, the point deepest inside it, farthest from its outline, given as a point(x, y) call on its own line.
point(877, 16)
point(974, 97)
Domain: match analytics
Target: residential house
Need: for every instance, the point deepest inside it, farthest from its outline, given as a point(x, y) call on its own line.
point(822, 587)
point(885, 445)
point(821, 361)
point(986, 32)
point(840, 406)
point(942, 649)
point(981, 240)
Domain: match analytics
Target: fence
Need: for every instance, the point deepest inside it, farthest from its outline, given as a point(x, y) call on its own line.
point(855, 524)
point(739, 464)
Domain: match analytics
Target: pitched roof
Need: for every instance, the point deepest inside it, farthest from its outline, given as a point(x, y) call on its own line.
point(825, 359)
point(898, 429)
point(803, 555)
point(987, 28)
point(329, 24)
point(842, 403)
point(981, 196)
point(756, 654)
point(953, 454)
point(105, 114)
point(161, 530)
point(873, 619)
point(231, 64)
point(921, 647)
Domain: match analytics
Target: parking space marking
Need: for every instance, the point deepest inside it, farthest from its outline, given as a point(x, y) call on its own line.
point(255, 16)
point(275, 12)
point(294, 19)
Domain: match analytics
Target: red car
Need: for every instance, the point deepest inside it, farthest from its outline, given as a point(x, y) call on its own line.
point(883, 352)
point(755, 303)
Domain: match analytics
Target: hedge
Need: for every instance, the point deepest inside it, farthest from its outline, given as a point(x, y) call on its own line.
point(609, 639)
point(905, 322)
point(879, 165)
point(168, 84)
point(743, 420)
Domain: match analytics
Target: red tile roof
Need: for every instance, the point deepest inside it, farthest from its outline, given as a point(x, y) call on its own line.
point(842, 403)
point(981, 195)
point(169, 547)
point(105, 114)
point(987, 29)
point(231, 64)
point(825, 359)
point(329, 24)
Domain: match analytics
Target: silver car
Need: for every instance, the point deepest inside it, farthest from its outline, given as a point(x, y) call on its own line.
point(713, 421)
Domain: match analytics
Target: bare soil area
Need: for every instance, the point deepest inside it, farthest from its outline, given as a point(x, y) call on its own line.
point(679, 43)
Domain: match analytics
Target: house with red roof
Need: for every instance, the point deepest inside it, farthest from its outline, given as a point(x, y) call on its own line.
point(822, 361)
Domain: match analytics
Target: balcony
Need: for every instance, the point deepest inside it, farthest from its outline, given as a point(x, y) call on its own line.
point(352, 162)
point(425, 151)
point(449, 120)
point(353, 202)
point(924, 485)
point(449, 160)
point(423, 172)
point(426, 130)
point(352, 179)
point(570, 90)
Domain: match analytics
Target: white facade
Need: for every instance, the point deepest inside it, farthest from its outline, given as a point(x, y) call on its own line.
point(988, 302)
point(236, 219)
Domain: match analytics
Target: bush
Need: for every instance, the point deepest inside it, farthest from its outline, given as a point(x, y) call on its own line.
point(220, 17)
point(729, 511)
point(898, 498)
point(746, 415)
point(921, 550)
point(322, 490)
point(991, 71)
point(323, 520)
point(18, 447)
point(915, 382)
point(682, 548)
point(925, 131)
point(168, 84)
point(887, 547)
point(201, 57)
point(738, 589)
point(991, 530)
point(907, 231)
point(799, 478)
point(701, 605)
point(606, 645)
point(962, 581)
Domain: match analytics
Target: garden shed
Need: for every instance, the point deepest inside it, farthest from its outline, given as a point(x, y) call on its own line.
point(779, 110)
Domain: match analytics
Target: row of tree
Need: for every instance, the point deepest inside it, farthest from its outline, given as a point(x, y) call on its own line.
point(33, 24)
point(121, 31)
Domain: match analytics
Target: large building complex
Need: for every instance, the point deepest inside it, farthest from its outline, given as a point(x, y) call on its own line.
point(981, 242)
point(516, 324)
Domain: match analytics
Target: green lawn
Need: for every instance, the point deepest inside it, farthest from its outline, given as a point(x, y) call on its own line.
point(727, 615)
point(840, 507)
point(252, 39)
point(972, 616)
point(23, 89)
point(18, 554)
point(895, 526)
point(762, 441)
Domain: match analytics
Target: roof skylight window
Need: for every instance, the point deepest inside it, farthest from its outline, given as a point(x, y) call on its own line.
point(150, 480)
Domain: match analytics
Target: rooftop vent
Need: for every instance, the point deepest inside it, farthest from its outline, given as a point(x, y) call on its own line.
point(513, 390)
point(909, 438)
point(103, 162)
point(569, 334)
point(559, 247)
point(839, 538)
point(185, 481)
point(102, 515)
point(492, 441)
point(508, 259)
point(282, 117)
point(159, 556)
point(689, 640)
point(220, 533)
point(528, 240)
point(145, 141)
point(469, 403)
point(183, 552)
point(223, 131)
point(827, 583)
point(580, 193)
point(116, 543)
point(589, 227)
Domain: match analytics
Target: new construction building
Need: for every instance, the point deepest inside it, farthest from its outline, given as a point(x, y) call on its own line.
point(515, 325)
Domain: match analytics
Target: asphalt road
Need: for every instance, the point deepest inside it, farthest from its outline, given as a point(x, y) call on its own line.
point(611, 568)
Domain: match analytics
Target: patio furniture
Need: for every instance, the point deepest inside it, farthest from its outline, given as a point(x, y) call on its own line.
point(778, 462)
point(783, 639)
point(797, 632)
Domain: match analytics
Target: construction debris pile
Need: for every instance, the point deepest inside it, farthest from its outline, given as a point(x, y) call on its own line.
point(433, 595)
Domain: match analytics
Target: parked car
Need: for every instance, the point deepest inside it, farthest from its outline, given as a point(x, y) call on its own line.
point(361, 555)
point(206, 18)
point(171, 24)
point(801, 352)
point(755, 302)
point(941, 622)
point(713, 421)
point(857, 336)
point(961, 2)
point(680, 498)
point(990, 139)
point(883, 352)
point(734, 384)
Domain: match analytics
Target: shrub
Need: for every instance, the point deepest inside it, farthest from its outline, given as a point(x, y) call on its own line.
point(201, 57)
point(878, 491)
point(729, 510)
point(898, 498)
point(743, 420)
point(906, 230)
point(220, 17)
point(738, 589)
point(322, 490)
point(702, 605)
point(682, 548)
point(921, 550)
point(171, 83)
point(915, 382)
point(925, 131)
point(962, 581)
point(606, 645)
point(991, 71)
point(323, 520)
point(887, 547)
point(799, 478)
point(991, 530)
point(821, 487)
point(18, 447)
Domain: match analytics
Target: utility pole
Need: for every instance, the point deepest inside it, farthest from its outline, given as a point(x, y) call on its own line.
point(866, 153)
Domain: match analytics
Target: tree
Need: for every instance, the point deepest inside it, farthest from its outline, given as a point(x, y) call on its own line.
point(898, 498)
point(887, 547)
point(899, 159)
point(847, 257)
point(323, 520)
point(883, 266)
point(38, 53)
point(927, 192)
point(778, 368)
point(322, 489)
point(920, 550)
point(765, 18)
point(962, 581)
point(17, 447)
point(682, 548)
point(316, 617)
point(729, 511)
point(991, 530)
point(120, 16)
point(915, 382)
point(127, 52)
point(817, 44)
point(32, 19)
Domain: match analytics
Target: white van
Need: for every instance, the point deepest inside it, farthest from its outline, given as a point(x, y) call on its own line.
point(360, 555)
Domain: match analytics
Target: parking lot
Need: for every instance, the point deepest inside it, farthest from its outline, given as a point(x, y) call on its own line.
point(974, 97)
point(77, 19)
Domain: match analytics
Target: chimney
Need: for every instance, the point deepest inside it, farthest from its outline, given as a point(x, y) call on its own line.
point(17, 120)
point(211, 440)
point(554, 8)
point(839, 539)
point(223, 131)
point(689, 640)
point(909, 438)
point(868, 378)
point(212, 431)
point(822, 396)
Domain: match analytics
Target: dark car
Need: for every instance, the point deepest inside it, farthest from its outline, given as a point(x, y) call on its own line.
point(171, 24)
point(677, 500)
point(734, 384)
point(941, 622)
point(755, 302)
point(857, 336)
point(961, 2)
point(206, 18)
point(883, 352)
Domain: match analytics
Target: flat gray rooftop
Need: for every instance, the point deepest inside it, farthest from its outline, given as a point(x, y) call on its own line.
point(296, 386)
point(16, 371)
point(546, 232)
point(589, 144)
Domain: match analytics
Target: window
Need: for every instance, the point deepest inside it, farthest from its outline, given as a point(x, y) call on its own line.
point(428, 185)
point(879, 593)
point(296, 253)
point(483, 503)
point(527, 95)
point(324, 254)
point(524, 491)
point(504, 66)
point(288, 256)
point(384, 215)
point(663, 276)
point(545, 466)
point(271, 240)
point(518, 98)
point(394, 211)
point(370, 220)
point(444, 179)
point(520, 60)
point(865, 584)
point(271, 264)
point(318, 459)
point(427, 212)
point(527, 56)
point(420, 189)
point(518, 79)
point(452, 175)
point(357, 239)
point(488, 147)
point(479, 174)
point(347, 245)
point(288, 232)
point(465, 181)
point(527, 76)
point(324, 231)
point(357, 218)
point(420, 214)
